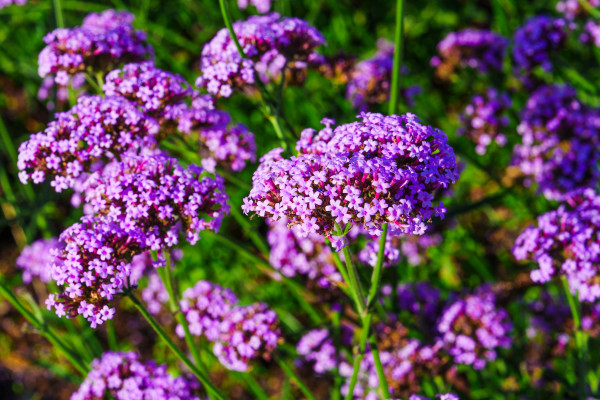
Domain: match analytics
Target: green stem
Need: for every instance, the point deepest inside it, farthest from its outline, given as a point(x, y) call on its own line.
point(580, 342)
point(229, 25)
point(354, 279)
point(292, 374)
point(282, 139)
point(60, 22)
point(42, 328)
point(589, 8)
point(111, 335)
point(354, 378)
point(376, 277)
point(201, 377)
point(397, 69)
point(92, 81)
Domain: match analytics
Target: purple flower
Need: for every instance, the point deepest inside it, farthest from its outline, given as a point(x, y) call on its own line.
point(6, 3)
point(572, 9)
point(36, 257)
point(479, 49)
point(122, 376)
point(382, 169)
point(484, 119)
point(102, 42)
point(447, 396)
point(262, 6)
point(96, 129)
point(566, 242)
point(230, 147)
point(370, 79)
point(560, 141)
point(270, 43)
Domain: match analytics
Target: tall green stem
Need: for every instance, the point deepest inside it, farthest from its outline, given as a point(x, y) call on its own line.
point(353, 278)
point(397, 70)
point(201, 377)
point(580, 343)
point(289, 371)
point(60, 23)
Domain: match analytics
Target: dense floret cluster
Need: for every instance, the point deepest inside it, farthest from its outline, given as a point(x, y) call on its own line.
point(95, 129)
point(381, 169)
point(36, 257)
point(102, 42)
point(229, 147)
point(484, 119)
point(6, 3)
point(536, 40)
point(123, 376)
point(262, 6)
point(566, 242)
point(560, 141)
point(269, 42)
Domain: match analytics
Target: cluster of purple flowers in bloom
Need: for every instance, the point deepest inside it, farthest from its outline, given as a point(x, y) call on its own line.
point(560, 141)
point(382, 169)
point(140, 203)
point(479, 49)
point(6, 3)
point(415, 248)
point(370, 79)
point(391, 252)
point(293, 254)
point(155, 294)
point(35, 258)
point(49, 88)
point(423, 302)
point(270, 43)
point(262, 6)
point(445, 396)
point(123, 376)
point(535, 41)
point(566, 242)
point(317, 348)
point(472, 328)
point(239, 333)
point(96, 129)
point(228, 146)
point(484, 119)
point(572, 9)
point(102, 42)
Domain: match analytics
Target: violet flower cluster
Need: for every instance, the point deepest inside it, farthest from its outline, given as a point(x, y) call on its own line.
point(472, 328)
point(35, 258)
point(381, 169)
point(230, 147)
point(240, 333)
point(370, 79)
point(270, 43)
point(479, 49)
point(262, 6)
point(484, 119)
point(560, 142)
point(572, 9)
point(445, 396)
point(102, 42)
point(566, 242)
point(6, 3)
point(293, 254)
point(95, 129)
point(123, 376)
point(143, 202)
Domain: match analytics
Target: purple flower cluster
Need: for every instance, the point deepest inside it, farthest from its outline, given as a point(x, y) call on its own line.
point(391, 252)
point(535, 40)
point(123, 376)
point(446, 396)
point(262, 6)
point(572, 9)
point(474, 48)
point(270, 43)
point(6, 3)
point(560, 141)
point(566, 242)
point(381, 169)
point(423, 302)
point(484, 119)
point(102, 42)
point(472, 328)
point(293, 254)
point(239, 333)
point(49, 86)
point(155, 294)
point(414, 248)
point(96, 129)
point(370, 79)
point(231, 147)
point(35, 258)
point(317, 348)
point(139, 203)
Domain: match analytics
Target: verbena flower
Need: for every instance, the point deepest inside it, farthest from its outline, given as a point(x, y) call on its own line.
point(95, 129)
point(293, 254)
point(473, 328)
point(484, 119)
point(35, 258)
point(382, 169)
point(370, 79)
point(101, 43)
point(560, 141)
point(229, 147)
point(446, 396)
point(6, 3)
point(391, 253)
point(262, 6)
point(316, 347)
point(479, 49)
point(572, 9)
point(247, 333)
point(155, 294)
point(123, 376)
point(270, 43)
point(566, 242)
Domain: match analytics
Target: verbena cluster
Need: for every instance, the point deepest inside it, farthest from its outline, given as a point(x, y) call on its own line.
point(262, 6)
point(560, 142)
point(240, 333)
point(95, 129)
point(484, 119)
point(102, 42)
point(382, 169)
point(230, 147)
point(35, 258)
point(474, 48)
point(270, 43)
point(6, 3)
point(123, 376)
point(566, 242)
